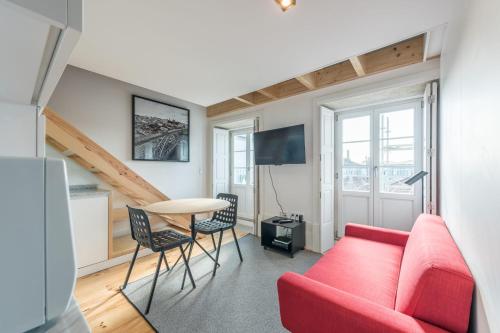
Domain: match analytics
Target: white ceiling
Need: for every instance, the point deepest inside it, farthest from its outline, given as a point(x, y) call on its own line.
point(206, 51)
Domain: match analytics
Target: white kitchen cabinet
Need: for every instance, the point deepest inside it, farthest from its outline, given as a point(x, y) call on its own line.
point(90, 228)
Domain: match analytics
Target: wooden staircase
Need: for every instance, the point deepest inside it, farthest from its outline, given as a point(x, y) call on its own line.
point(80, 148)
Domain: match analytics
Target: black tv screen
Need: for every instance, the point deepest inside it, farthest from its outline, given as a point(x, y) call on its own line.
point(280, 146)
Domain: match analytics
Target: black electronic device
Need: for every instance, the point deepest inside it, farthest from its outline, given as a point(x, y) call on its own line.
point(280, 146)
point(282, 220)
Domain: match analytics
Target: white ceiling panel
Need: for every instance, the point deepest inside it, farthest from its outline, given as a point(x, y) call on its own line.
point(208, 51)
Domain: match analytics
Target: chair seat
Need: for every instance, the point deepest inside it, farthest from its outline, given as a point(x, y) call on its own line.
point(211, 226)
point(168, 239)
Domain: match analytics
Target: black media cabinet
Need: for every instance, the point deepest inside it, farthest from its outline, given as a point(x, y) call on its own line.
point(294, 233)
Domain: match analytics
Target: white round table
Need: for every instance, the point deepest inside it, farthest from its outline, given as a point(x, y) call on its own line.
point(188, 206)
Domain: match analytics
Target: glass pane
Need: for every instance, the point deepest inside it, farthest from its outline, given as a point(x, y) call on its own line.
point(397, 151)
point(240, 176)
point(240, 142)
point(240, 159)
point(251, 176)
point(396, 124)
point(356, 129)
point(391, 179)
point(355, 166)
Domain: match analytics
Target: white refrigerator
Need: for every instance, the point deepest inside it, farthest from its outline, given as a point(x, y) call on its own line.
point(37, 255)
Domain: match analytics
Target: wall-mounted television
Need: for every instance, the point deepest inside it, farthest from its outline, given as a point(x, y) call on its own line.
point(280, 146)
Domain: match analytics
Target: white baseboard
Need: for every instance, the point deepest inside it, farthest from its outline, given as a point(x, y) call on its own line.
point(110, 263)
point(245, 223)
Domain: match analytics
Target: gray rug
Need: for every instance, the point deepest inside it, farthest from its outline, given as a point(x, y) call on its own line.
point(241, 298)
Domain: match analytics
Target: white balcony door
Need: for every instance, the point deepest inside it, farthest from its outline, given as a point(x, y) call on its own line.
point(242, 171)
point(220, 161)
point(376, 150)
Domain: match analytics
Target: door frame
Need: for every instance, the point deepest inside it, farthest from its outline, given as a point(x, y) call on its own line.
point(374, 111)
point(256, 117)
point(232, 133)
point(416, 74)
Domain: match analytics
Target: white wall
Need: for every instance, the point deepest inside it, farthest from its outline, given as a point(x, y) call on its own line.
point(297, 185)
point(101, 108)
point(470, 151)
point(18, 130)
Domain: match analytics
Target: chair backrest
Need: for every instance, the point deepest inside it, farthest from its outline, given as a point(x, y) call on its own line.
point(230, 214)
point(435, 284)
point(140, 227)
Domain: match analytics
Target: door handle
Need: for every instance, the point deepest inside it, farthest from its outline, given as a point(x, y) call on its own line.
point(375, 171)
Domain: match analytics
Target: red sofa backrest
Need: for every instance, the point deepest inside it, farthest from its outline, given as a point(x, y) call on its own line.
point(435, 285)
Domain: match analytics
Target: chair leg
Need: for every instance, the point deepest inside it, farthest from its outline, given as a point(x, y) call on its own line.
point(188, 258)
point(206, 252)
point(213, 242)
point(131, 266)
point(218, 252)
point(237, 245)
point(165, 260)
point(179, 258)
point(187, 267)
point(154, 283)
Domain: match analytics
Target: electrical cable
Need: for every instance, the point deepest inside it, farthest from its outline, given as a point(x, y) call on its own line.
point(275, 193)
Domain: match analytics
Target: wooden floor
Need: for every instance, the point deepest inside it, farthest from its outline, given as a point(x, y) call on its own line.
point(106, 309)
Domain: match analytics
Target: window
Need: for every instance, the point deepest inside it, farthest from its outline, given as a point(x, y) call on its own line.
point(242, 158)
point(397, 150)
point(356, 154)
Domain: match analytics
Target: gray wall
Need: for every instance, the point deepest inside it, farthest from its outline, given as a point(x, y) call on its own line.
point(101, 108)
point(470, 151)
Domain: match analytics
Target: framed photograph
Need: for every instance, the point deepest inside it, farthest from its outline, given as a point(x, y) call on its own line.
point(160, 131)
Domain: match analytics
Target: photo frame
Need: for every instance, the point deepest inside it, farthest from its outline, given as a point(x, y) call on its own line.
point(160, 131)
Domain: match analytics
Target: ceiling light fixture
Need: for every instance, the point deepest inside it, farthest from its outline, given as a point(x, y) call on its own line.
point(285, 4)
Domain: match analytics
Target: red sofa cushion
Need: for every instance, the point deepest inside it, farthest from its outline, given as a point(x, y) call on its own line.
point(435, 284)
point(308, 306)
point(361, 267)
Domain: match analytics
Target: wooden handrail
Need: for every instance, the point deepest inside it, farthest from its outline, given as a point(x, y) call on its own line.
point(87, 153)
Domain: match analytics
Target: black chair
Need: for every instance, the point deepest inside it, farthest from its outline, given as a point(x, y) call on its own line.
point(222, 220)
point(160, 241)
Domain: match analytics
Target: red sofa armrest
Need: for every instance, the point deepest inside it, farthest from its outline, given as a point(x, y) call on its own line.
point(389, 236)
point(308, 306)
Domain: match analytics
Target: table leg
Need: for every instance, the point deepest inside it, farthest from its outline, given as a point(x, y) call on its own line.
point(193, 236)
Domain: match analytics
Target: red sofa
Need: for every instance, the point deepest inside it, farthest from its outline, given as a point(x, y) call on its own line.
point(382, 280)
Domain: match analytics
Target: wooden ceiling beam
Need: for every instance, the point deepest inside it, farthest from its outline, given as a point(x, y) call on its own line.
point(408, 52)
point(307, 80)
point(247, 99)
point(358, 66)
point(405, 53)
point(267, 94)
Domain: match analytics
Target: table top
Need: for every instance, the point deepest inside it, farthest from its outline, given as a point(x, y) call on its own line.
point(187, 206)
